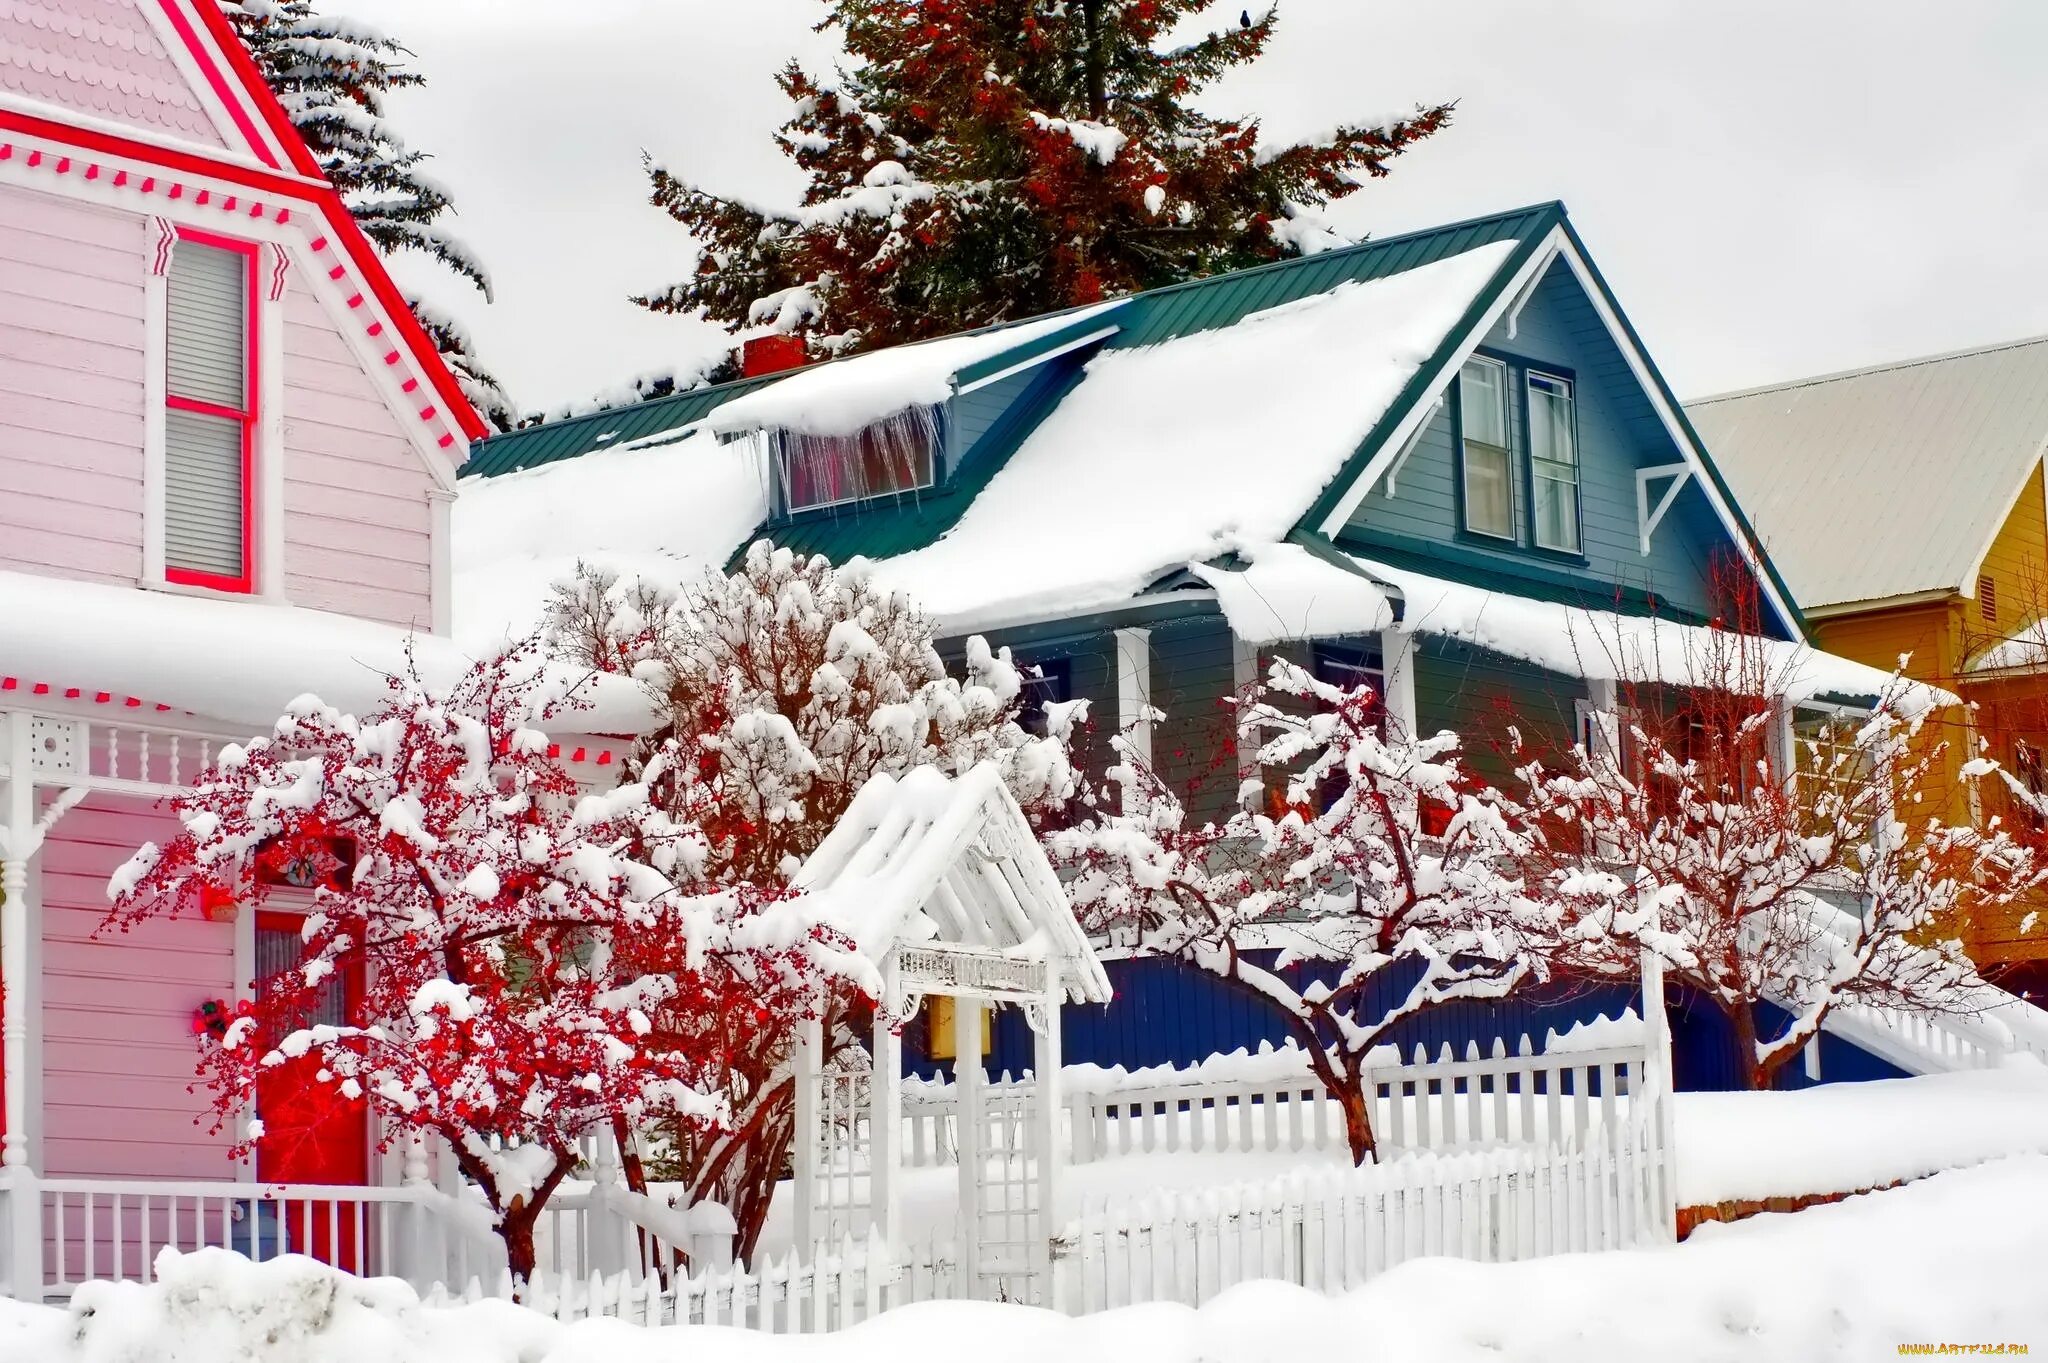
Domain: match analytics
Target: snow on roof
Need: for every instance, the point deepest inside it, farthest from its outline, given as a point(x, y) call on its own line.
point(2024, 651)
point(1608, 646)
point(929, 858)
point(1884, 481)
point(842, 397)
point(1177, 453)
point(1288, 593)
point(236, 663)
point(668, 507)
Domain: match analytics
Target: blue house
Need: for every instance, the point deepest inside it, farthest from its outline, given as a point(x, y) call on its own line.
point(1443, 461)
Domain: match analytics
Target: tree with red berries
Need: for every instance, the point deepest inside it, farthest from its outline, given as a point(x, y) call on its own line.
point(537, 963)
point(978, 161)
point(1388, 863)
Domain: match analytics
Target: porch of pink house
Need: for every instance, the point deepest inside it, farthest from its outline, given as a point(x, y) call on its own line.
point(110, 1150)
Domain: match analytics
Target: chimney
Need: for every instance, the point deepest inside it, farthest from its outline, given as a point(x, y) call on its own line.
point(771, 355)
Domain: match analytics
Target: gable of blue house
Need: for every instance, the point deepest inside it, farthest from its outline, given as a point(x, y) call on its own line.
point(1419, 508)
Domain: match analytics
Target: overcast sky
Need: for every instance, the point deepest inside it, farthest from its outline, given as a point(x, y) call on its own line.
point(1772, 187)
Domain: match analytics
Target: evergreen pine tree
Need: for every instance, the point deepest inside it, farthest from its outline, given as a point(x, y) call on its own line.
point(983, 160)
point(332, 74)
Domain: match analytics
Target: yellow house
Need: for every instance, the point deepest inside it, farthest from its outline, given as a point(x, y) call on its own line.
point(1904, 506)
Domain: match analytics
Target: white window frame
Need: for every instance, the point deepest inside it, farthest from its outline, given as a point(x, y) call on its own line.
point(1506, 448)
point(1540, 468)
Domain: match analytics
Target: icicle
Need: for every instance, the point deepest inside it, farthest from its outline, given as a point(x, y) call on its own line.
point(894, 455)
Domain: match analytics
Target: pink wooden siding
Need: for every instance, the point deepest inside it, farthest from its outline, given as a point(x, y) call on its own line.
point(101, 58)
point(118, 1050)
point(357, 525)
point(71, 380)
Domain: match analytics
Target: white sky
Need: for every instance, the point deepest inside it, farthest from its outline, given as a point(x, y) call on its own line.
point(1772, 187)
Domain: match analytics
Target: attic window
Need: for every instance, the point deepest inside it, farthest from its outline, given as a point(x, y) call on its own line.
point(895, 455)
point(1987, 599)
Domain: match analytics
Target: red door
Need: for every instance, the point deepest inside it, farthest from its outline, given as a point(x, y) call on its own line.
point(311, 1134)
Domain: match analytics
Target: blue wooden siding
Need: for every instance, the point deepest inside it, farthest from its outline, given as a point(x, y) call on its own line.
point(1192, 676)
point(1168, 1013)
point(1618, 432)
point(1476, 694)
point(977, 413)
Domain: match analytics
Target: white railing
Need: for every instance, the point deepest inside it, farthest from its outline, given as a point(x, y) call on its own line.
point(1332, 1230)
point(1447, 1103)
point(112, 1229)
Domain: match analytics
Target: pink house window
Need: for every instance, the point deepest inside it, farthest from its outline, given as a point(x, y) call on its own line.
point(210, 424)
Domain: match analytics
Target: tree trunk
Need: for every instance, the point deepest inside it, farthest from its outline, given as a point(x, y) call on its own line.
point(1753, 1073)
point(1093, 59)
point(1356, 1101)
point(516, 1230)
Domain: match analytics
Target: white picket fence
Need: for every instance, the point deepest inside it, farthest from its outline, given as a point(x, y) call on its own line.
point(1333, 1230)
point(1327, 1229)
point(1484, 1099)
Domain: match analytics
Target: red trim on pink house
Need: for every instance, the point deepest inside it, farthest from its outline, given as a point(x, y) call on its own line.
point(352, 243)
point(221, 89)
point(245, 581)
point(252, 85)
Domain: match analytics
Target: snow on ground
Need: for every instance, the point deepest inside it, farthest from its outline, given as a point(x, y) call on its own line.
point(1953, 1259)
point(1165, 430)
point(1842, 1137)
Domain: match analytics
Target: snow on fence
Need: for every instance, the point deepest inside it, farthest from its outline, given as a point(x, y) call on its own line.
point(1327, 1229)
point(827, 1290)
point(1331, 1230)
point(1271, 1102)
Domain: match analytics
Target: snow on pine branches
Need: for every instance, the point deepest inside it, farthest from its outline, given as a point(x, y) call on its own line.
point(1389, 867)
point(332, 75)
point(979, 161)
point(523, 949)
point(1809, 868)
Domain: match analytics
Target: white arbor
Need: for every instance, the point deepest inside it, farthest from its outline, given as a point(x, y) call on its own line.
point(943, 884)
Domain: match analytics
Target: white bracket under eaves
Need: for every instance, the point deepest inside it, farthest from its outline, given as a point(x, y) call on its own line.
point(1512, 321)
point(1650, 519)
point(1408, 446)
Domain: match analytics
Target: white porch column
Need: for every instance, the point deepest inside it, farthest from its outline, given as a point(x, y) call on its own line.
point(1780, 749)
point(1397, 659)
point(967, 1129)
point(19, 837)
point(1244, 675)
point(1046, 1118)
point(1604, 706)
point(804, 1061)
point(885, 1111)
point(1134, 689)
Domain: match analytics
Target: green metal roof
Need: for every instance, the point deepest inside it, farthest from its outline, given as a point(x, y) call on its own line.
point(1146, 319)
point(615, 426)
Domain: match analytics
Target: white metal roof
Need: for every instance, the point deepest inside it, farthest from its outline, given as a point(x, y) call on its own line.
point(1886, 481)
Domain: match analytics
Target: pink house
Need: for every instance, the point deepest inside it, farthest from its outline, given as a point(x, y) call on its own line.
point(227, 457)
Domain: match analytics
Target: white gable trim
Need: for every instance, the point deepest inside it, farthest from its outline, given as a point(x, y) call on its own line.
point(156, 12)
point(1090, 339)
point(1968, 586)
point(1555, 246)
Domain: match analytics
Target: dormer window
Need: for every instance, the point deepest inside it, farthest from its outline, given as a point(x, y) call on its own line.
point(897, 455)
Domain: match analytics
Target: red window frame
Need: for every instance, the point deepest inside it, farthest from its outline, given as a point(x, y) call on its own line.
point(243, 583)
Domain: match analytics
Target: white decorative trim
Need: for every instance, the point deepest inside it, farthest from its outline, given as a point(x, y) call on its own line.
point(1090, 339)
point(1647, 519)
point(1513, 320)
point(217, 112)
point(156, 307)
point(1968, 586)
point(244, 986)
point(1436, 404)
point(280, 265)
point(166, 238)
point(270, 456)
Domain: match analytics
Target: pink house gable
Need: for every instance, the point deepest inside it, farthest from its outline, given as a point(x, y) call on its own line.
point(102, 59)
point(126, 126)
